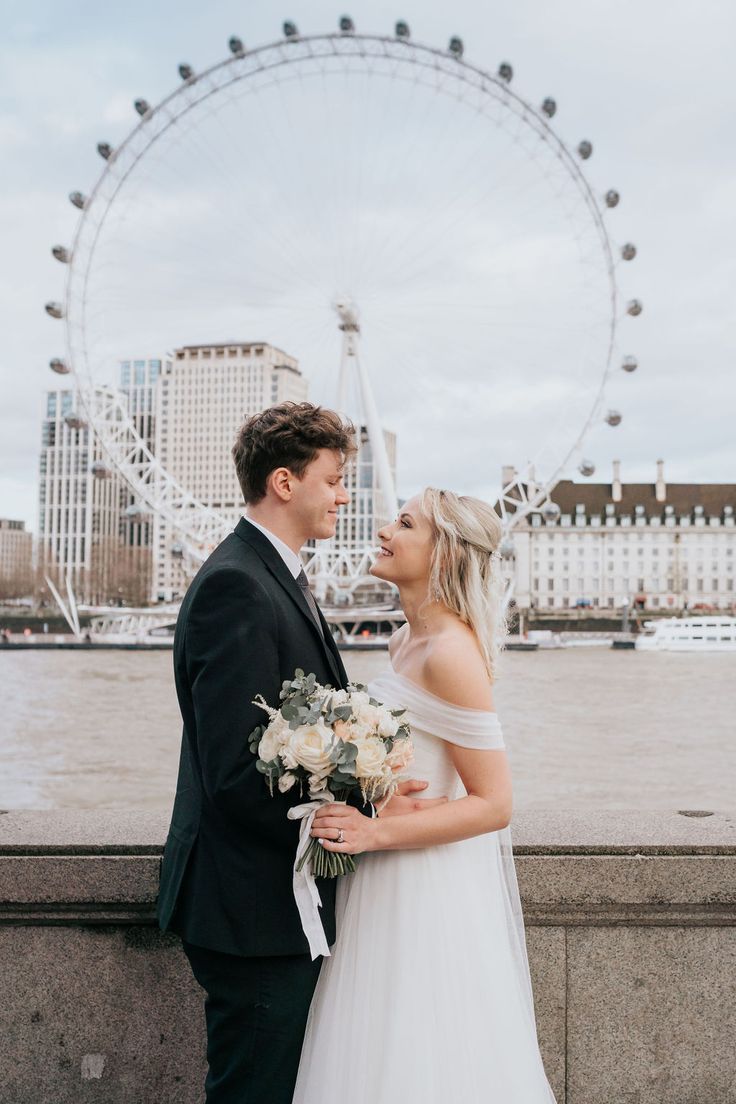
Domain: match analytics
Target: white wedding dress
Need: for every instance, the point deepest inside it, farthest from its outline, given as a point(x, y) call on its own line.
point(426, 998)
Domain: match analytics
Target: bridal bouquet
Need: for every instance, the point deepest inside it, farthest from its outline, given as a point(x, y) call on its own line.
point(329, 743)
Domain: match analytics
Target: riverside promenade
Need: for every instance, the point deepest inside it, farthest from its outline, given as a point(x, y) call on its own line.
point(631, 932)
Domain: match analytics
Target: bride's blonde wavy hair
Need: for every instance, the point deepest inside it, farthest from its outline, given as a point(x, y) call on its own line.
point(465, 569)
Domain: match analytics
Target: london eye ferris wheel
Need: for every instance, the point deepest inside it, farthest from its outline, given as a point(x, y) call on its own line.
point(400, 219)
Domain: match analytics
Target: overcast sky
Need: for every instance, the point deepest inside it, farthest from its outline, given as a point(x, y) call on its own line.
point(651, 84)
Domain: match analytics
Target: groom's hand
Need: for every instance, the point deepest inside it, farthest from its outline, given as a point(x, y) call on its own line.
point(403, 802)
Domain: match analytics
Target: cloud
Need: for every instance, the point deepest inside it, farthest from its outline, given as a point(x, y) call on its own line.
point(630, 77)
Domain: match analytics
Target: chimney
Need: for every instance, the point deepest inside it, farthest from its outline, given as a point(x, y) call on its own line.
point(661, 486)
point(508, 474)
point(616, 493)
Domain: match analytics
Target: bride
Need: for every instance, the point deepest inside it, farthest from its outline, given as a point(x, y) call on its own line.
point(427, 997)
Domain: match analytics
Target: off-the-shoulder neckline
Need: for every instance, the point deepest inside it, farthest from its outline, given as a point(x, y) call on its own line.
point(450, 705)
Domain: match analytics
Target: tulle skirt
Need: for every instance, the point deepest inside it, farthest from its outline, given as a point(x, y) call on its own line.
point(424, 998)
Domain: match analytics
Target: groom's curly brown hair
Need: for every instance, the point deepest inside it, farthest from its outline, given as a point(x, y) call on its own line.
point(287, 436)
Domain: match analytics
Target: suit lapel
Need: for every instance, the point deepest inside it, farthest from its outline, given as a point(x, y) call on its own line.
point(275, 564)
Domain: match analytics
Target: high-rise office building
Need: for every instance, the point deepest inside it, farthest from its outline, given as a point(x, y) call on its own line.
point(16, 559)
point(205, 393)
point(138, 382)
point(79, 504)
point(359, 520)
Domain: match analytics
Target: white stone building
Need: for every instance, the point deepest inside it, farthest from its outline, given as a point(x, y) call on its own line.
point(16, 559)
point(205, 394)
point(657, 546)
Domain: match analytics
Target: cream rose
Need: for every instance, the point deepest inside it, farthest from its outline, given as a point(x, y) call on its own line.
point(368, 715)
point(371, 757)
point(273, 739)
point(286, 781)
point(309, 747)
point(341, 730)
point(388, 726)
point(400, 755)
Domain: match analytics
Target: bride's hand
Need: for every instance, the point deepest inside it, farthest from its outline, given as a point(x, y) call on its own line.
point(402, 802)
point(359, 832)
point(339, 821)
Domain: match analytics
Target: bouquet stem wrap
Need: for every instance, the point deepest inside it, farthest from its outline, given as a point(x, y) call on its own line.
point(306, 894)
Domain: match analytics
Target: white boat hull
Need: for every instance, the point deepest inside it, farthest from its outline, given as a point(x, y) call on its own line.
point(689, 634)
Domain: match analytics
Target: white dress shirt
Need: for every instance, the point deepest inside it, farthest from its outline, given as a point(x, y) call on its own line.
point(291, 558)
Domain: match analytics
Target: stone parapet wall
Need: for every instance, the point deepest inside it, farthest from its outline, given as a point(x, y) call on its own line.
point(631, 933)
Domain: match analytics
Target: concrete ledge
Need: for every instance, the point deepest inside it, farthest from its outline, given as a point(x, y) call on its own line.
point(630, 923)
point(94, 867)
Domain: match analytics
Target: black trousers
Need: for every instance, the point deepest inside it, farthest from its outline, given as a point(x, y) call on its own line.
point(256, 1011)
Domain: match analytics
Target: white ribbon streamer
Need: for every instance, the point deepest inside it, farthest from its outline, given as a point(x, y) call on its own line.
point(306, 894)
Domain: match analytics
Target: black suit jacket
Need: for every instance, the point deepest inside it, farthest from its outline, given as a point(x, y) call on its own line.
point(226, 873)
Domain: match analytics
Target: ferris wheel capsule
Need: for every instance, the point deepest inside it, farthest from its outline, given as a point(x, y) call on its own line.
point(74, 421)
point(236, 46)
point(549, 107)
point(505, 71)
point(346, 25)
point(105, 150)
point(586, 467)
point(612, 198)
point(628, 251)
point(402, 29)
point(177, 550)
point(142, 107)
point(550, 511)
point(100, 470)
point(613, 417)
point(585, 148)
point(55, 310)
point(456, 47)
point(186, 72)
point(506, 549)
point(56, 364)
point(78, 200)
point(61, 253)
point(629, 364)
point(290, 30)
point(635, 307)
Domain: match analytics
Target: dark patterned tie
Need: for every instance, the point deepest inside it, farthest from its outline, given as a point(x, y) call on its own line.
point(304, 584)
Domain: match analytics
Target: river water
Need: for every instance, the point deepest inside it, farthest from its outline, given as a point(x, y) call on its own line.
point(586, 728)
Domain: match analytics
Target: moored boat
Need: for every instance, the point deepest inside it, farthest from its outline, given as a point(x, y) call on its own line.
point(688, 634)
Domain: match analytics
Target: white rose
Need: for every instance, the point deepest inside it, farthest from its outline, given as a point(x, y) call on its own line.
point(358, 698)
point(369, 716)
point(273, 739)
point(371, 756)
point(309, 747)
point(357, 731)
point(388, 726)
point(286, 781)
point(317, 784)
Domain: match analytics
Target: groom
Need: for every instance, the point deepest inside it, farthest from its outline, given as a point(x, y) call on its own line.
point(248, 620)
